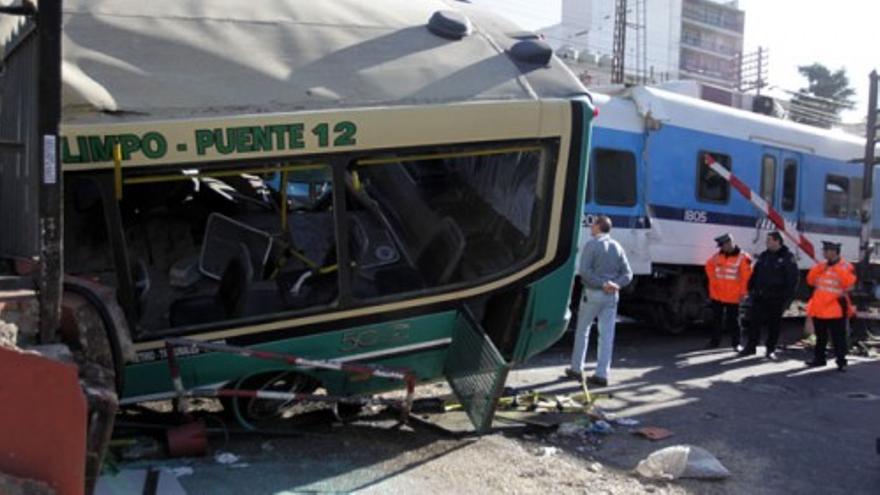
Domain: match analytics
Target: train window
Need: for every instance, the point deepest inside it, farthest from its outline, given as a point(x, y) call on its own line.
point(836, 196)
point(768, 178)
point(789, 185)
point(712, 187)
point(615, 173)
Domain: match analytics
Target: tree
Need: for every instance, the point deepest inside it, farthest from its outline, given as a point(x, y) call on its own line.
point(826, 95)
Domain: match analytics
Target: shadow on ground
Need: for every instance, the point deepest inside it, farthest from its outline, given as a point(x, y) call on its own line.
point(778, 426)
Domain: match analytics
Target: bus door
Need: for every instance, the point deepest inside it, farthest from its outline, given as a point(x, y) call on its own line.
point(613, 190)
point(780, 187)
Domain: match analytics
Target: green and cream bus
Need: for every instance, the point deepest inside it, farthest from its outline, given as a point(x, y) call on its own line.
point(394, 182)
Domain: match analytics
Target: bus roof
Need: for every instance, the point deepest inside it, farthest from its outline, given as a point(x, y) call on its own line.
point(132, 60)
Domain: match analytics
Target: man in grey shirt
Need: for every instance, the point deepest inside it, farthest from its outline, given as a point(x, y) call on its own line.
point(604, 270)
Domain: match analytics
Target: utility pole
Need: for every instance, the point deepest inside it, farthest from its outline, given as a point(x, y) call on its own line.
point(760, 79)
point(619, 47)
point(751, 70)
point(867, 183)
point(640, 26)
point(49, 115)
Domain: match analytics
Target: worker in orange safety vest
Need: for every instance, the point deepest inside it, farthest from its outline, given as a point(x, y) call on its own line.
point(728, 271)
point(830, 306)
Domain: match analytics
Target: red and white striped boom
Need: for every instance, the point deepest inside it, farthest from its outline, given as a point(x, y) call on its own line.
point(359, 370)
point(790, 231)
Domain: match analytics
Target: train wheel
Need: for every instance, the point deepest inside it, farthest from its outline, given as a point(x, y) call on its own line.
point(668, 319)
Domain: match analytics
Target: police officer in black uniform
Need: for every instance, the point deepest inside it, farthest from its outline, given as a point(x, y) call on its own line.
point(771, 289)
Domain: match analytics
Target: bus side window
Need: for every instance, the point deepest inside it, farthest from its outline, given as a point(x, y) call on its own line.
point(615, 174)
point(789, 185)
point(711, 187)
point(768, 178)
point(836, 196)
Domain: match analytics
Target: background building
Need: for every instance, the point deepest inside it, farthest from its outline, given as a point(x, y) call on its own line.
point(665, 40)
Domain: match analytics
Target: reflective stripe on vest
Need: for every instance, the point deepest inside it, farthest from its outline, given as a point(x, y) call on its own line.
point(829, 282)
point(727, 271)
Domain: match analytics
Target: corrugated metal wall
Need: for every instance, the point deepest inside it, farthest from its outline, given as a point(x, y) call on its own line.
point(19, 169)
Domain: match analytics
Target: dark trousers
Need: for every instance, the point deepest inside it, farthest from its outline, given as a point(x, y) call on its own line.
point(726, 321)
point(765, 313)
point(837, 328)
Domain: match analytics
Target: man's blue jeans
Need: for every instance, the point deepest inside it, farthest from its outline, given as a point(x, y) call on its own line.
point(595, 304)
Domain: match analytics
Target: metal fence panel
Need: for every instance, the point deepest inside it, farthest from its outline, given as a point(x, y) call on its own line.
point(475, 370)
point(19, 152)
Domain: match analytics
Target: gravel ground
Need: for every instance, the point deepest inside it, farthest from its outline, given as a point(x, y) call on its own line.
point(370, 458)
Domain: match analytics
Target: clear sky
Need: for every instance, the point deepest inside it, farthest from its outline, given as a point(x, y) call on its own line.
point(838, 33)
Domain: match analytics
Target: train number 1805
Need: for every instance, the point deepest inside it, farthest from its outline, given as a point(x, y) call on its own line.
point(697, 216)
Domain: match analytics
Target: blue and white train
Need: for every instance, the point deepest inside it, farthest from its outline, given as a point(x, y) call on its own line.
point(647, 174)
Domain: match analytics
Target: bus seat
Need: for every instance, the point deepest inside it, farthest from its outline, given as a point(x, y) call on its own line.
point(439, 257)
point(229, 301)
point(222, 238)
point(412, 218)
point(433, 245)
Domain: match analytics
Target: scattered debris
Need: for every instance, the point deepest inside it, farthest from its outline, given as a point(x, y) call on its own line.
point(601, 427)
point(225, 458)
point(546, 451)
point(179, 471)
point(572, 429)
point(428, 405)
point(373, 409)
point(8, 335)
point(187, 440)
point(595, 467)
point(596, 414)
point(682, 461)
point(626, 422)
point(653, 433)
point(141, 448)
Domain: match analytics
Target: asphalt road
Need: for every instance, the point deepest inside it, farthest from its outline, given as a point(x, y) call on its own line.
point(777, 426)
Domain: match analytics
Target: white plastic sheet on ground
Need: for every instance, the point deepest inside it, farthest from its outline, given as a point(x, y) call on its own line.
point(682, 461)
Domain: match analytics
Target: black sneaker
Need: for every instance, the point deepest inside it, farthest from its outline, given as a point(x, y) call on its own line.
point(574, 375)
point(841, 367)
point(598, 381)
point(748, 351)
point(772, 356)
